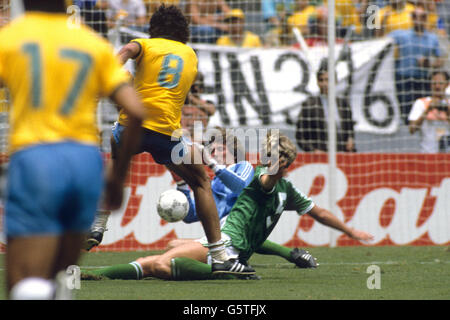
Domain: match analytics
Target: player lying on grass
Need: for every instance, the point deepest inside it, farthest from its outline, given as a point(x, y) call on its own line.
point(227, 185)
point(166, 68)
point(251, 220)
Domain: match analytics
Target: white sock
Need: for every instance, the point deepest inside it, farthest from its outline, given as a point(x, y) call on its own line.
point(139, 270)
point(101, 219)
point(218, 253)
point(33, 288)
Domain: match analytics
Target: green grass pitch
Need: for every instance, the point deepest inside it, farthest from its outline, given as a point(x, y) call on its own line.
point(406, 273)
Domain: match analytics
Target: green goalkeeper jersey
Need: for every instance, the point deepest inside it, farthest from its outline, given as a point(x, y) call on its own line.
point(256, 212)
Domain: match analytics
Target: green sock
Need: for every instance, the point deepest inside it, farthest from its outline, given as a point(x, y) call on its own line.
point(190, 269)
point(272, 248)
point(130, 271)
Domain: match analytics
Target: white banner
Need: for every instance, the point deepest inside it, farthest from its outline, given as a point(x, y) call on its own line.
point(265, 87)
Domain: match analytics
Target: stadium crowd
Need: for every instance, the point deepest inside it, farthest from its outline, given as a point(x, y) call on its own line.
point(419, 29)
point(272, 20)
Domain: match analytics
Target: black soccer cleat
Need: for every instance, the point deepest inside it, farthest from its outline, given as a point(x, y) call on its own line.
point(303, 259)
point(94, 239)
point(98, 228)
point(232, 266)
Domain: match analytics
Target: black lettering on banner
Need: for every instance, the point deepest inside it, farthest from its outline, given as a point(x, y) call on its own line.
point(218, 90)
point(261, 90)
point(371, 97)
point(242, 91)
point(304, 72)
point(346, 56)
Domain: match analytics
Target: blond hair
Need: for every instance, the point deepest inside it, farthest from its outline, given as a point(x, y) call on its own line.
point(278, 144)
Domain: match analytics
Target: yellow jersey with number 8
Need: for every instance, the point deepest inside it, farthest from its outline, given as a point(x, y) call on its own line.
point(55, 71)
point(165, 72)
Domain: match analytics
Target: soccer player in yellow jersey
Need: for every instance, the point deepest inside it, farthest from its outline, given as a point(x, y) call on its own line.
point(165, 71)
point(55, 71)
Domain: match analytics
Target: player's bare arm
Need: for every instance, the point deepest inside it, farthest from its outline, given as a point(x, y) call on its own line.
point(129, 51)
point(327, 218)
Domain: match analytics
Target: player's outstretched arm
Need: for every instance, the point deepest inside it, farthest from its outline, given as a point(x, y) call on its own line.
point(274, 173)
point(126, 97)
point(327, 218)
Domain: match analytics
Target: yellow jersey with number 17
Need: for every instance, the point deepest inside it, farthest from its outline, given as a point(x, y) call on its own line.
point(55, 72)
point(165, 72)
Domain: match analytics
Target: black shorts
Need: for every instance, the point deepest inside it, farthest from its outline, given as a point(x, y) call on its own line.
point(163, 148)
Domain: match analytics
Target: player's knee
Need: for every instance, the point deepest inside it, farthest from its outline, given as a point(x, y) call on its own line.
point(200, 182)
point(176, 243)
point(161, 269)
point(172, 244)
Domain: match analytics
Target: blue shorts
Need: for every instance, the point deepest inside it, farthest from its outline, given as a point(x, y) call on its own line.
point(163, 148)
point(52, 189)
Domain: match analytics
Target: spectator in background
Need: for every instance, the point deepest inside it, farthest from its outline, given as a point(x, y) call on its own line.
point(312, 132)
point(4, 12)
point(318, 35)
point(301, 18)
point(417, 52)
point(431, 116)
point(443, 9)
point(206, 20)
point(94, 14)
point(4, 19)
point(152, 5)
point(196, 108)
point(131, 12)
point(238, 36)
point(276, 14)
point(348, 15)
point(435, 23)
point(395, 16)
point(194, 96)
point(191, 117)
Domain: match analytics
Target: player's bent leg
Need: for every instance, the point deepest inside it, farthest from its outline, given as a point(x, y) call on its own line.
point(301, 258)
point(178, 242)
point(160, 266)
point(196, 177)
point(98, 228)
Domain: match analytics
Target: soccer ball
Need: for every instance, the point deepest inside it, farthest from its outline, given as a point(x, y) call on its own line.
point(172, 205)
